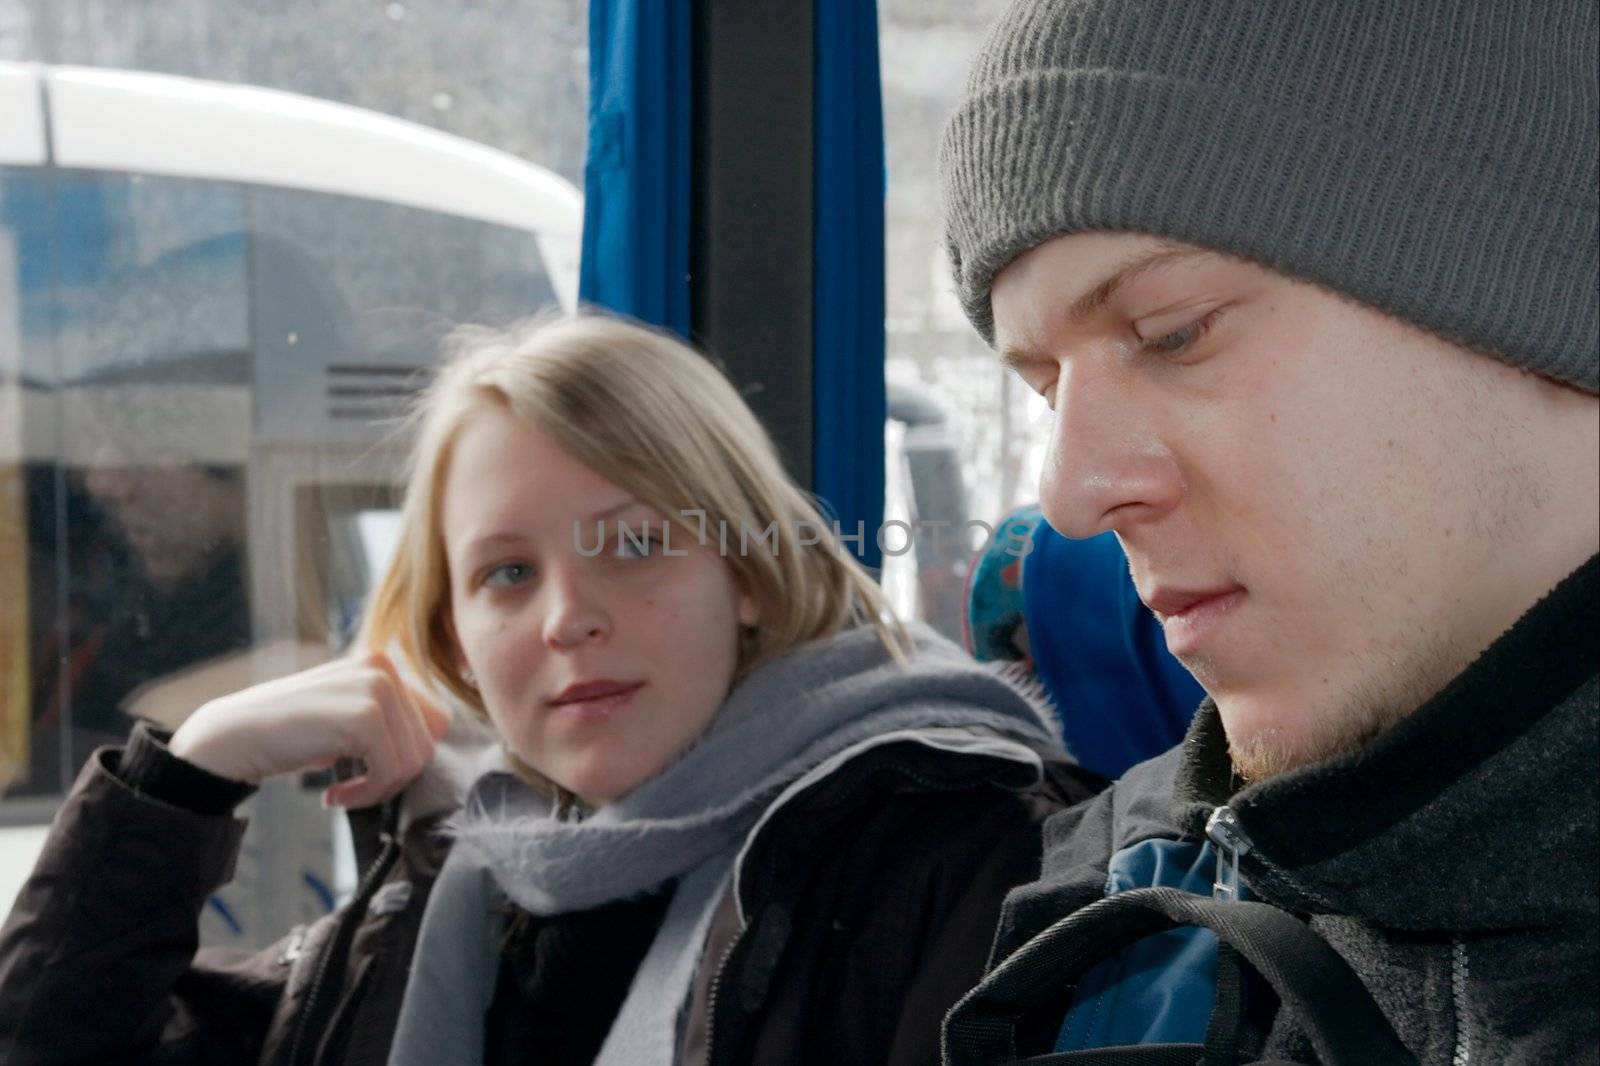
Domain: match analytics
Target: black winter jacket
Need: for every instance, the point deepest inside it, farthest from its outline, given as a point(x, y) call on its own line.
point(1454, 862)
point(873, 898)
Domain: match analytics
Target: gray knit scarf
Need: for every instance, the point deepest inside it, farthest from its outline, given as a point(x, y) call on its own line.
point(787, 724)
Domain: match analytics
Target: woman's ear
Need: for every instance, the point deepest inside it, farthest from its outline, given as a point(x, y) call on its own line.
point(749, 610)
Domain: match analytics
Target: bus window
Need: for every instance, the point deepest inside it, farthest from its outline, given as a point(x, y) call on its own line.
point(132, 342)
point(200, 381)
point(974, 441)
point(215, 297)
point(352, 298)
point(207, 374)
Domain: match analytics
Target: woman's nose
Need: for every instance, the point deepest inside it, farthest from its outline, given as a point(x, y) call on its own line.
point(576, 614)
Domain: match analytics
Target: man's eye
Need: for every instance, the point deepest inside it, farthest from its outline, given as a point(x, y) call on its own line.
point(1180, 340)
point(507, 575)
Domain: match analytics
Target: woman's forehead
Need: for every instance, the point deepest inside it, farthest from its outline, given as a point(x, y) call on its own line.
point(507, 474)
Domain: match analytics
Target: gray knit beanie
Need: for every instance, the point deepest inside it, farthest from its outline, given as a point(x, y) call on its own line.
point(1436, 159)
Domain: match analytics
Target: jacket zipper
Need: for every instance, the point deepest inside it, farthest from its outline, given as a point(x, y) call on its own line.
point(300, 1050)
point(1232, 843)
point(711, 994)
point(925, 782)
point(1458, 998)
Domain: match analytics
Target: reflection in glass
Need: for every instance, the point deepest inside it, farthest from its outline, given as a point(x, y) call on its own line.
point(132, 361)
point(199, 380)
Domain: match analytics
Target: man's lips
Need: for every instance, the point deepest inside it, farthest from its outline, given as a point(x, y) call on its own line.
point(1190, 616)
point(1173, 602)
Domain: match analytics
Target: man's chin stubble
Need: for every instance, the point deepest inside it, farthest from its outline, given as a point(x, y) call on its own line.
point(1364, 714)
point(1270, 752)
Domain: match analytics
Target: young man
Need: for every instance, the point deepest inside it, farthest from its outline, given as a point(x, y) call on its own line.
point(1312, 291)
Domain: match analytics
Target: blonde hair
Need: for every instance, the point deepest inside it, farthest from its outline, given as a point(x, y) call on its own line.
point(645, 411)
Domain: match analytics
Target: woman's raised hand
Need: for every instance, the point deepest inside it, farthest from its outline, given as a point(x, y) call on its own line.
point(356, 707)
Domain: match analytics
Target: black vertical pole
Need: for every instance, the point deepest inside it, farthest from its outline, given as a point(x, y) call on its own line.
point(751, 244)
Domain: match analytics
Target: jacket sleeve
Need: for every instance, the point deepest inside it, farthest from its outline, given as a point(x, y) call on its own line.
point(994, 847)
point(98, 959)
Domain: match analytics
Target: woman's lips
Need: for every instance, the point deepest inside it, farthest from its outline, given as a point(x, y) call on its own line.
point(589, 702)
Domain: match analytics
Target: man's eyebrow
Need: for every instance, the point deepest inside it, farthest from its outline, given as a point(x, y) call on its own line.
point(1014, 359)
point(1100, 295)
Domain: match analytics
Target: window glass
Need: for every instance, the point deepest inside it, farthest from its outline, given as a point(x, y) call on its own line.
point(511, 74)
point(974, 442)
point(352, 299)
point(132, 335)
point(26, 573)
point(199, 379)
point(207, 372)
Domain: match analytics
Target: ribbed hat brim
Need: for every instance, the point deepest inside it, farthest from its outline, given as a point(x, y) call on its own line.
point(1508, 267)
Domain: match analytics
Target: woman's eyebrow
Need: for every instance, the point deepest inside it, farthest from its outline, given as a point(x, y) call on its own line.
point(616, 509)
point(489, 540)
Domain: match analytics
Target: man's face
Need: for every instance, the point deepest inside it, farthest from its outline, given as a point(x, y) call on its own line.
point(1331, 511)
point(177, 518)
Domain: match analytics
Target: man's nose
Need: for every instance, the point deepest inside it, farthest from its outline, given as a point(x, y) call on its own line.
point(576, 614)
point(1106, 466)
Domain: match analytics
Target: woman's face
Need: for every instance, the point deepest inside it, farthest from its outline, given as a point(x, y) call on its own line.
point(598, 662)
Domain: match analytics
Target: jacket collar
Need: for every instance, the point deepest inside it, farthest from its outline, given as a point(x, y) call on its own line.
point(1490, 776)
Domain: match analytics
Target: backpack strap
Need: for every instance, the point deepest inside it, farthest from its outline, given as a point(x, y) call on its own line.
point(1344, 1023)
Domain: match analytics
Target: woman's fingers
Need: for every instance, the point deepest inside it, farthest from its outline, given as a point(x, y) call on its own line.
point(357, 707)
point(436, 716)
point(424, 720)
point(374, 737)
point(398, 728)
point(404, 722)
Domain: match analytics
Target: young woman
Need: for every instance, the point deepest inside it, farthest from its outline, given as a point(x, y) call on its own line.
point(744, 816)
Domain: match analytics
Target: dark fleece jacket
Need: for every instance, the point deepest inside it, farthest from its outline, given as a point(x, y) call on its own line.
point(1454, 862)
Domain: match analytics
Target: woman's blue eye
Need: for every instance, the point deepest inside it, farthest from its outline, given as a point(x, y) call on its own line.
point(507, 575)
point(641, 547)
